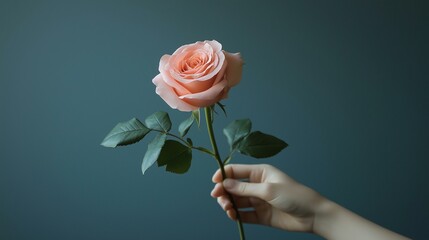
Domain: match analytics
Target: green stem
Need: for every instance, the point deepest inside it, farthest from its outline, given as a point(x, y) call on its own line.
point(209, 120)
point(203, 150)
point(186, 143)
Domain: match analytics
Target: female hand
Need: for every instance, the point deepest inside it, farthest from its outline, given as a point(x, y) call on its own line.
point(274, 198)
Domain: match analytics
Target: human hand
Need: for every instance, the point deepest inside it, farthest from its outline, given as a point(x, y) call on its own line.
point(274, 199)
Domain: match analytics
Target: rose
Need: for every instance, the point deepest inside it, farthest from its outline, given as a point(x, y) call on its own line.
point(197, 75)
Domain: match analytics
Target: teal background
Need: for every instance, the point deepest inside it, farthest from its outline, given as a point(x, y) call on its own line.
point(345, 83)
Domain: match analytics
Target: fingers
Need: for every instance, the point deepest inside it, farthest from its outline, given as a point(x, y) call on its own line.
point(240, 202)
point(239, 171)
point(250, 194)
point(249, 217)
point(232, 214)
point(245, 189)
point(245, 216)
point(218, 191)
point(226, 204)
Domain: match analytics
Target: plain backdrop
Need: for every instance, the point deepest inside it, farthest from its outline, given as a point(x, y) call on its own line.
point(345, 83)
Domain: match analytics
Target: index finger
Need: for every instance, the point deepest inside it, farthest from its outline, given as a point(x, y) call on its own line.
point(240, 171)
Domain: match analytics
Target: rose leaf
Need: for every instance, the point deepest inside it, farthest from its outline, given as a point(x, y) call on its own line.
point(159, 121)
point(186, 125)
point(236, 131)
point(190, 141)
point(222, 107)
point(197, 116)
point(261, 145)
point(176, 156)
point(153, 150)
point(125, 133)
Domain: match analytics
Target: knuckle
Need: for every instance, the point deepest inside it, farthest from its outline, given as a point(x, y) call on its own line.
point(266, 166)
point(242, 188)
point(269, 190)
point(229, 170)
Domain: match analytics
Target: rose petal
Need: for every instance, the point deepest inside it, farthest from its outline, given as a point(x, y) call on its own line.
point(208, 97)
point(215, 45)
point(201, 86)
point(168, 94)
point(197, 75)
point(186, 47)
point(218, 60)
point(221, 75)
point(163, 69)
point(234, 69)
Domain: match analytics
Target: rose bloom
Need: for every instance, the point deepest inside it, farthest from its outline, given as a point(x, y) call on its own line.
point(197, 75)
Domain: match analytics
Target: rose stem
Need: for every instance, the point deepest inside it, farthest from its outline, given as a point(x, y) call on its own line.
point(209, 116)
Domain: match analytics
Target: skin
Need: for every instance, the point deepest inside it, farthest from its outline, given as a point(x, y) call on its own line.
point(276, 200)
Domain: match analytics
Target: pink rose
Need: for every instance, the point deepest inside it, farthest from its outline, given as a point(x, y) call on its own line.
point(197, 75)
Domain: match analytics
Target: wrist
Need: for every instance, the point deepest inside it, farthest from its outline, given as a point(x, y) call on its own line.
point(324, 217)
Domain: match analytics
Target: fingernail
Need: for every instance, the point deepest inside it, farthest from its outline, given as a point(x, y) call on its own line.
point(228, 183)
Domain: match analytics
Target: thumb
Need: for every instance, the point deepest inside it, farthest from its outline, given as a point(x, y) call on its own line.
point(245, 189)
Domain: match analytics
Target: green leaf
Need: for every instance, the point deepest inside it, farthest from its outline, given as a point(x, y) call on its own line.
point(261, 145)
point(185, 126)
point(236, 131)
point(125, 133)
point(176, 156)
point(190, 141)
point(197, 116)
point(159, 121)
point(222, 107)
point(213, 109)
point(153, 150)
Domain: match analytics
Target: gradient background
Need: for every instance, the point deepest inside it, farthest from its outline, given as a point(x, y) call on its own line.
point(345, 83)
